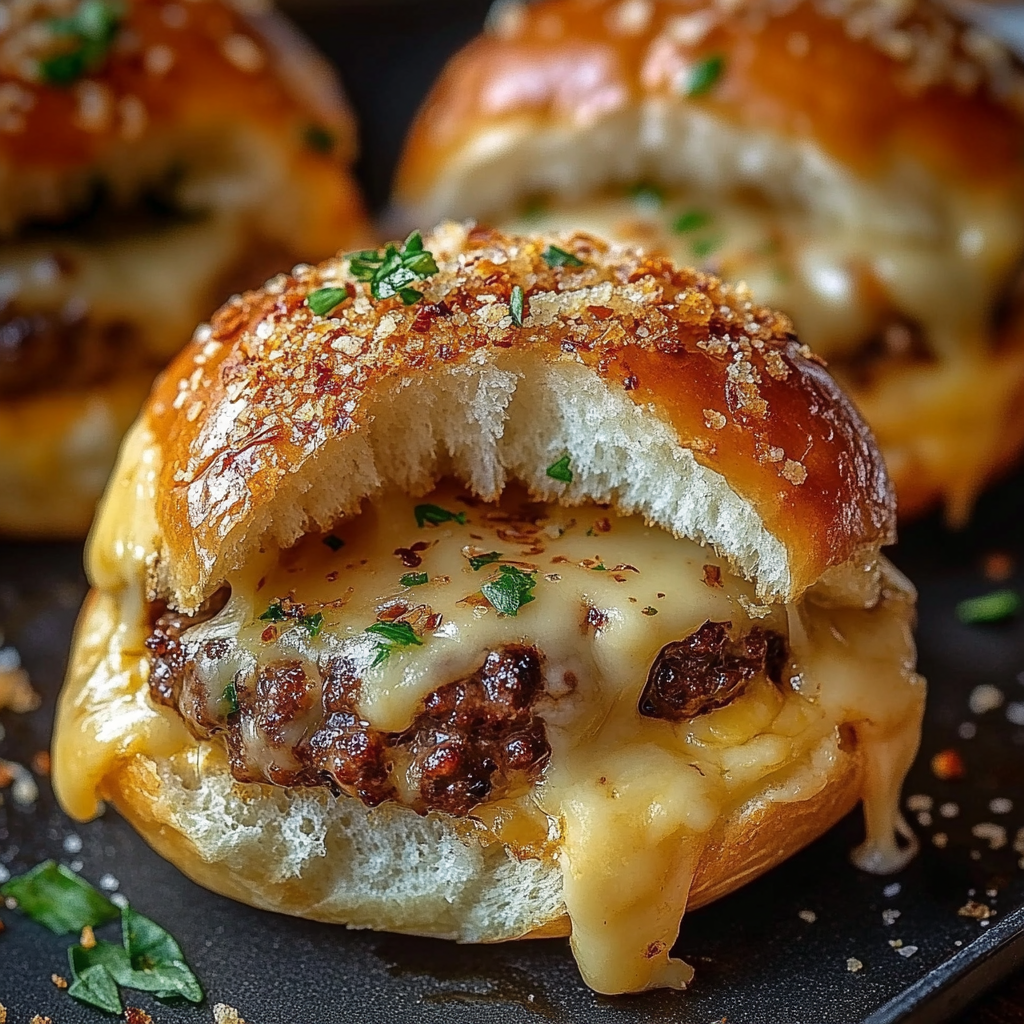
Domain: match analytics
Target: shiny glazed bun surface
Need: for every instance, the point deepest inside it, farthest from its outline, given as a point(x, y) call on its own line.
point(857, 164)
point(154, 158)
point(429, 576)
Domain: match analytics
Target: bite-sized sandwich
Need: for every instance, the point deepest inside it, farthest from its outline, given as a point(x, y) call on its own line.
point(859, 164)
point(155, 158)
point(489, 587)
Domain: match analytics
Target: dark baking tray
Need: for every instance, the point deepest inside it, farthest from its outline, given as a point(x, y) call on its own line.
point(758, 961)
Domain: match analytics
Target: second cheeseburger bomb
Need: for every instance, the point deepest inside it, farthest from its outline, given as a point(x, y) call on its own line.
point(486, 587)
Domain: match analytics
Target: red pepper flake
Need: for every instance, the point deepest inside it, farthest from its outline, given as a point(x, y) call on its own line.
point(432, 622)
point(393, 612)
point(602, 525)
point(601, 312)
point(427, 314)
point(6, 775)
point(998, 566)
point(631, 383)
point(269, 635)
point(712, 576)
point(409, 557)
point(41, 762)
point(332, 576)
point(136, 1015)
point(947, 765)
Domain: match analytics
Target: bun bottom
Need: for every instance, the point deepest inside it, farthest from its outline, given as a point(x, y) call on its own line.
point(56, 452)
point(309, 854)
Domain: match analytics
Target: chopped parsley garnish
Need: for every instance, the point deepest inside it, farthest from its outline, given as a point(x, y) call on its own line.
point(510, 589)
point(389, 635)
point(323, 300)
point(702, 248)
point(704, 75)
point(649, 610)
point(414, 579)
point(435, 515)
point(392, 272)
point(600, 567)
point(93, 27)
point(560, 470)
point(318, 138)
point(149, 960)
point(477, 562)
point(555, 257)
point(54, 896)
point(274, 613)
point(646, 194)
point(313, 623)
point(334, 543)
point(691, 220)
point(229, 699)
point(995, 607)
point(515, 306)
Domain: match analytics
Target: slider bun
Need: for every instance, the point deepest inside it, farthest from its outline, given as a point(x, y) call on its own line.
point(673, 395)
point(896, 127)
point(884, 114)
point(306, 853)
point(199, 90)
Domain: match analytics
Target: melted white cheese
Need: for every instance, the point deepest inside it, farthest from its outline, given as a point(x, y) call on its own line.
point(631, 800)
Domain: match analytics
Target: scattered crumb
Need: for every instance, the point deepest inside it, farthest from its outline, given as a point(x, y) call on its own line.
point(919, 802)
point(37, 1019)
point(891, 890)
point(59, 981)
point(224, 1014)
point(3, 1014)
point(896, 943)
point(967, 731)
point(974, 909)
point(889, 916)
point(16, 691)
point(135, 1015)
point(907, 950)
point(948, 764)
point(985, 698)
point(949, 809)
point(87, 940)
point(994, 835)
point(940, 840)
point(1000, 805)
point(808, 915)
point(924, 819)
point(853, 965)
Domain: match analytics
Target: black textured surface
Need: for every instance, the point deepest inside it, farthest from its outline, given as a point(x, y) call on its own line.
point(757, 961)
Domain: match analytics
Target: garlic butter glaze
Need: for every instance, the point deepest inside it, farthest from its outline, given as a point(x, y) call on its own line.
point(627, 803)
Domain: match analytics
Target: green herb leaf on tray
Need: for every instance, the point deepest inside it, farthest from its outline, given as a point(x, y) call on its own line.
point(704, 75)
point(414, 579)
point(477, 562)
point(334, 543)
point(274, 613)
point(995, 607)
point(229, 699)
point(435, 515)
point(95, 987)
point(92, 26)
point(323, 300)
point(691, 220)
point(515, 305)
point(157, 962)
point(313, 623)
point(54, 896)
point(555, 257)
point(389, 635)
point(509, 590)
point(560, 470)
point(392, 271)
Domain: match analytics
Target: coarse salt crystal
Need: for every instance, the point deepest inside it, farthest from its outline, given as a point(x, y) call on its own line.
point(1000, 805)
point(907, 950)
point(73, 843)
point(808, 915)
point(919, 802)
point(889, 916)
point(985, 698)
point(853, 965)
point(891, 890)
point(109, 882)
point(949, 809)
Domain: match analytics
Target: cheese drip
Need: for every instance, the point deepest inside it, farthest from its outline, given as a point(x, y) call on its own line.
point(631, 801)
point(841, 284)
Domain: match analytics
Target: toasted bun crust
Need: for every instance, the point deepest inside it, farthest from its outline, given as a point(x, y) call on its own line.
point(178, 82)
point(387, 868)
point(872, 85)
point(275, 419)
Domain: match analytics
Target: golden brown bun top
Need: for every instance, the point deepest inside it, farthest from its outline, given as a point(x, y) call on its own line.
point(270, 399)
point(174, 75)
point(873, 84)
